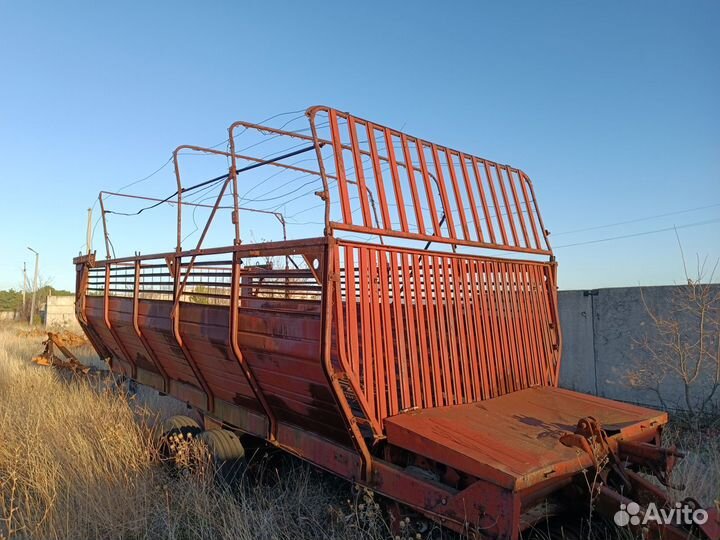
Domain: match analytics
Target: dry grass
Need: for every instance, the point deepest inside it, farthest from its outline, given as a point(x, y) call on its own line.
point(78, 460)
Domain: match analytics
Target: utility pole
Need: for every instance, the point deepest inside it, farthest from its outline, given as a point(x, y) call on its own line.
point(89, 232)
point(35, 285)
point(24, 285)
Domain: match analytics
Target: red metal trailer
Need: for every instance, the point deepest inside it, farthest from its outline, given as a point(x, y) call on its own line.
point(413, 347)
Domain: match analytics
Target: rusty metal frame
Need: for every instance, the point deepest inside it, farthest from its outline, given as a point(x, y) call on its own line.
point(108, 323)
point(136, 326)
point(331, 284)
point(175, 320)
point(421, 146)
point(237, 352)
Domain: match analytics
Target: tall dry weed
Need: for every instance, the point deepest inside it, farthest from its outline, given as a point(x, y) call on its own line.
point(78, 460)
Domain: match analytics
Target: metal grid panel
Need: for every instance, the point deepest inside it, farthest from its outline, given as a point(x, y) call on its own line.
point(392, 184)
point(425, 329)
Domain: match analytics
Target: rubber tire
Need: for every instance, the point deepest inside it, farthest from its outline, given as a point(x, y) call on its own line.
point(179, 426)
point(227, 453)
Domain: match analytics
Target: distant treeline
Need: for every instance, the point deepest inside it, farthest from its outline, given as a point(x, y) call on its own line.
point(11, 300)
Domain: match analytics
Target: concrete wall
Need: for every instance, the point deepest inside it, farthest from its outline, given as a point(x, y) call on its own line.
point(60, 311)
point(602, 355)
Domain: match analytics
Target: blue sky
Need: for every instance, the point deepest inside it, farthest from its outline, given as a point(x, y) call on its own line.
point(612, 108)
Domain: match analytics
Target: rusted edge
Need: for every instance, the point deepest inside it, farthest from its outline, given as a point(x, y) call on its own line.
point(108, 323)
point(330, 373)
point(82, 268)
point(175, 319)
point(237, 353)
point(151, 354)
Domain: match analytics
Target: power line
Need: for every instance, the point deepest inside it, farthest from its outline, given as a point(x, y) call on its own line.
point(245, 128)
point(148, 176)
point(687, 225)
point(638, 219)
point(214, 180)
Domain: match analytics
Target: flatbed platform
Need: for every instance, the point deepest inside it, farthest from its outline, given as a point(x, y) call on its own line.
point(513, 440)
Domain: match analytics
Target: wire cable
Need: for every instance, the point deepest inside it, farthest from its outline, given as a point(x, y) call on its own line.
point(213, 181)
point(687, 225)
point(638, 220)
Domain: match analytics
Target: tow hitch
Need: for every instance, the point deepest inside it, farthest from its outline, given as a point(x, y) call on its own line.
point(621, 493)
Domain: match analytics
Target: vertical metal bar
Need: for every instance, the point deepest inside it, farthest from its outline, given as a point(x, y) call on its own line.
point(537, 210)
point(340, 167)
point(404, 362)
point(518, 207)
point(490, 341)
point(458, 195)
point(379, 358)
point(555, 310)
point(175, 320)
point(530, 214)
point(422, 399)
point(341, 328)
point(424, 331)
point(496, 203)
point(471, 198)
point(478, 360)
point(452, 369)
point(460, 304)
point(503, 366)
point(342, 331)
point(234, 328)
point(508, 210)
point(516, 319)
point(235, 194)
point(181, 285)
point(444, 331)
point(377, 173)
point(437, 226)
point(397, 187)
point(108, 323)
point(554, 314)
point(411, 182)
point(352, 310)
point(138, 331)
point(528, 324)
point(366, 336)
point(327, 309)
point(359, 173)
point(389, 343)
point(542, 323)
point(447, 207)
point(323, 172)
point(176, 166)
point(104, 222)
point(426, 296)
point(483, 199)
point(511, 322)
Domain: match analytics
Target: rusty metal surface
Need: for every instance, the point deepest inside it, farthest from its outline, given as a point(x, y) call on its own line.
point(514, 440)
point(278, 330)
point(421, 329)
point(49, 358)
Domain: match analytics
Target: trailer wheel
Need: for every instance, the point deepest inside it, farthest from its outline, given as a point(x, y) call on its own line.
point(175, 431)
point(227, 453)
